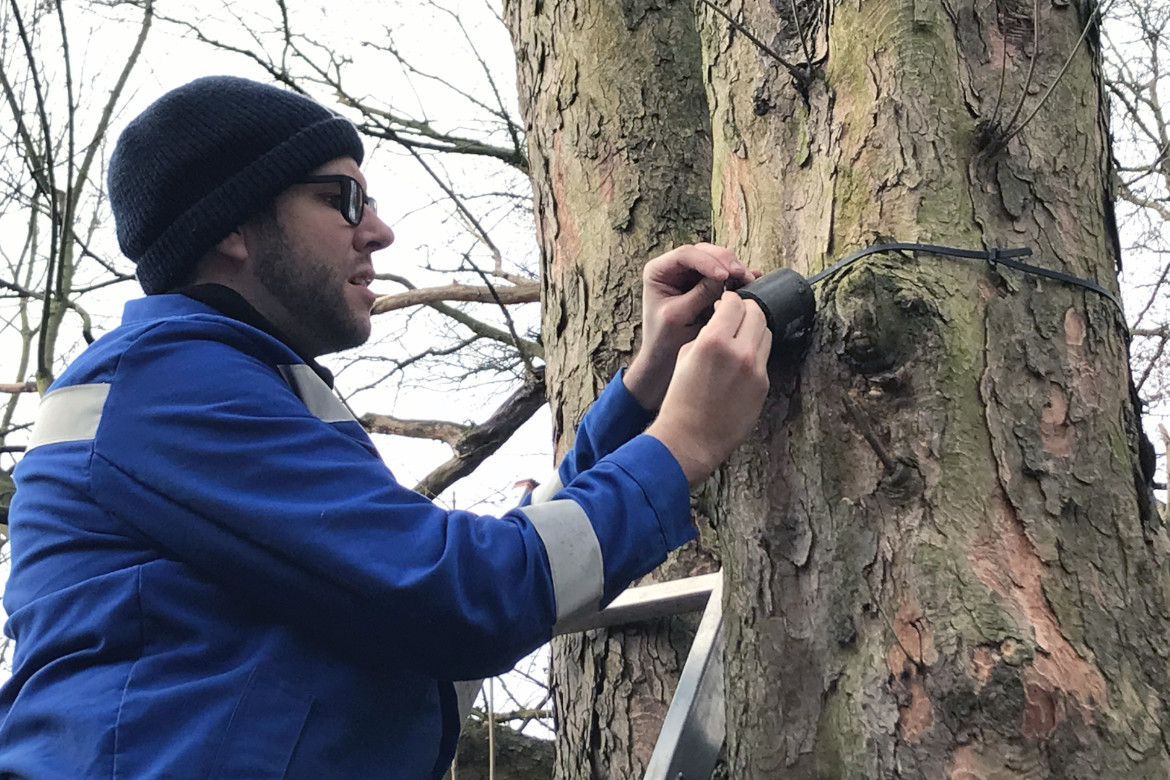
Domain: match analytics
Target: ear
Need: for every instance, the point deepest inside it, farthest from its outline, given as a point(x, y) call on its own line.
point(234, 246)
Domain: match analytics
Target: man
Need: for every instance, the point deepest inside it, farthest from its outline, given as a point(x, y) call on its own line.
point(215, 575)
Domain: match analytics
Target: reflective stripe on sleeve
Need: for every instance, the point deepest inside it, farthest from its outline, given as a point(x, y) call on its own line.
point(574, 555)
point(546, 490)
point(315, 394)
point(69, 414)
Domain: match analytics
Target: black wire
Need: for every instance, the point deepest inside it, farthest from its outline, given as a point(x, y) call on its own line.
point(994, 257)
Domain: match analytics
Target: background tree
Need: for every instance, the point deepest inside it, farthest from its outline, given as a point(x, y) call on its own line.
point(941, 551)
point(471, 280)
point(51, 202)
point(1137, 48)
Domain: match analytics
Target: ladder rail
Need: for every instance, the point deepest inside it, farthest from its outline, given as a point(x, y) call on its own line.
point(696, 723)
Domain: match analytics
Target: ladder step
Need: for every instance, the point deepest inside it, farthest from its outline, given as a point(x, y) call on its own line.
point(647, 602)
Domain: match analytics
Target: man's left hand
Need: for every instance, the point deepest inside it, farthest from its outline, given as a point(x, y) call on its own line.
point(679, 290)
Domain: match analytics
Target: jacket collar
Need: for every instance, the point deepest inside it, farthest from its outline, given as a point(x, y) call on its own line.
point(224, 300)
point(230, 303)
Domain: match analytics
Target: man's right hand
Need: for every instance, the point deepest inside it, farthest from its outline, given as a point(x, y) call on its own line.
point(718, 388)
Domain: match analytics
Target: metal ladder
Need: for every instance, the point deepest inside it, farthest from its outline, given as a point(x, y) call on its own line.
point(695, 725)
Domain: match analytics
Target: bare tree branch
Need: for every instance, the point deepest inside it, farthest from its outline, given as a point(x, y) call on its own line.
point(20, 387)
point(527, 347)
point(529, 292)
point(484, 439)
point(447, 432)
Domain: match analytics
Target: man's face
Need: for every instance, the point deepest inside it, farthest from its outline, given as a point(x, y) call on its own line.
point(316, 267)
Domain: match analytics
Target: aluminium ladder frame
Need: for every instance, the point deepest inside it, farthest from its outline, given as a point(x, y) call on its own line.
point(695, 725)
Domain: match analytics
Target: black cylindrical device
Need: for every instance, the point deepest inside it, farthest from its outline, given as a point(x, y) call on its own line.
point(788, 303)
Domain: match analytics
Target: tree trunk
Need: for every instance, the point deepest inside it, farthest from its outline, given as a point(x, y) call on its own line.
point(940, 553)
point(620, 151)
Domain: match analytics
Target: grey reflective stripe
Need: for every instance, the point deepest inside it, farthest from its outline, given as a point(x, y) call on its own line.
point(69, 414)
point(315, 394)
point(466, 692)
point(574, 555)
point(546, 490)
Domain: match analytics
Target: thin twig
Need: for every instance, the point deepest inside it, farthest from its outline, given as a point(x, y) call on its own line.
point(483, 235)
point(503, 310)
point(800, 32)
point(1002, 78)
point(1031, 64)
point(801, 74)
point(401, 365)
point(44, 370)
point(1157, 356)
point(100, 131)
point(64, 268)
point(1060, 75)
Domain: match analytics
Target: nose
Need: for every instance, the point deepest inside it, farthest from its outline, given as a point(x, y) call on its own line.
point(372, 233)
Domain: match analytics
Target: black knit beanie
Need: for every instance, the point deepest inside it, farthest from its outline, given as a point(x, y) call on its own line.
point(203, 159)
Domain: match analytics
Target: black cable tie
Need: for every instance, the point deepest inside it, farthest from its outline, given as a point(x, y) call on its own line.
point(994, 256)
point(934, 249)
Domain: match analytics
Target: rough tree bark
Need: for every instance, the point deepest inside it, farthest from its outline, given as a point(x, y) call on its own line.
point(941, 555)
point(620, 154)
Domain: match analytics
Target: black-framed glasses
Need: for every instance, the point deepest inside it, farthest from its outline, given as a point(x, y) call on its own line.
point(354, 199)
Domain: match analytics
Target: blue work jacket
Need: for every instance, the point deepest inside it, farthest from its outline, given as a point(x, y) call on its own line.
point(214, 575)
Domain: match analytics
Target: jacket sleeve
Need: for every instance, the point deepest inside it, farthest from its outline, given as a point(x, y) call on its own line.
point(205, 451)
point(615, 418)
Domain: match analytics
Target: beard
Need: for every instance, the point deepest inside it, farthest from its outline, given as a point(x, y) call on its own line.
point(310, 289)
